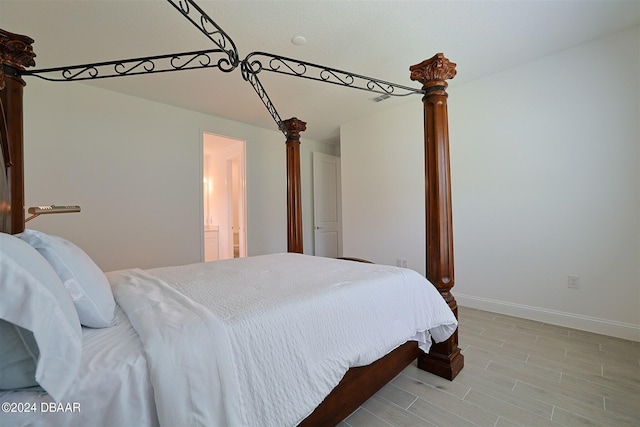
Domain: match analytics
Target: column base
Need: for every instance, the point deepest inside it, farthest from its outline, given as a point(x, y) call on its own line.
point(444, 359)
point(442, 364)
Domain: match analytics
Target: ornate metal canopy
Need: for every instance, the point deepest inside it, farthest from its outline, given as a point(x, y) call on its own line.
point(224, 57)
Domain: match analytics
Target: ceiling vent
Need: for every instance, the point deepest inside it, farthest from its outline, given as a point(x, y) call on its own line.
point(381, 98)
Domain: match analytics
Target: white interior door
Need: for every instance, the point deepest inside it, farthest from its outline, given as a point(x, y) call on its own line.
point(327, 206)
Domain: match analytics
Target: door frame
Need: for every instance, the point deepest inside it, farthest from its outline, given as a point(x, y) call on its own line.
point(224, 184)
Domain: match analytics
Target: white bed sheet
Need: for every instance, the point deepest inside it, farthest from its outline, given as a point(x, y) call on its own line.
point(112, 388)
point(261, 341)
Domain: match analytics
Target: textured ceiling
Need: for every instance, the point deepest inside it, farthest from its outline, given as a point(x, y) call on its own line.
point(375, 38)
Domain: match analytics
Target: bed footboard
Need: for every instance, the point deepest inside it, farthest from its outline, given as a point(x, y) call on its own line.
point(359, 384)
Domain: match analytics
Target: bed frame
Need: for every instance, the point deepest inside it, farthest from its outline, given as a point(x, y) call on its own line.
point(444, 359)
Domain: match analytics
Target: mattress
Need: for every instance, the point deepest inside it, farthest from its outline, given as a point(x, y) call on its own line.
point(260, 341)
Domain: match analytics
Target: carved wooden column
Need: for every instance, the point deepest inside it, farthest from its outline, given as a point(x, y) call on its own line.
point(294, 186)
point(16, 53)
point(444, 359)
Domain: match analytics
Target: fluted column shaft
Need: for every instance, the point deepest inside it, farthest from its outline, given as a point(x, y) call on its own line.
point(294, 187)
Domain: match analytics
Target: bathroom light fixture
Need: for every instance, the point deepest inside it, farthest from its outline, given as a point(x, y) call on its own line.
point(51, 209)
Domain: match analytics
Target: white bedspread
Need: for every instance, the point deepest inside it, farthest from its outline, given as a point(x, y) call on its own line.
point(261, 341)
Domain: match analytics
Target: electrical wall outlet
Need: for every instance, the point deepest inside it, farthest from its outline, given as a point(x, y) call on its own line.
point(573, 282)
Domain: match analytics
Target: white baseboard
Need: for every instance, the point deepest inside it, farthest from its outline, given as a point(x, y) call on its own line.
point(570, 320)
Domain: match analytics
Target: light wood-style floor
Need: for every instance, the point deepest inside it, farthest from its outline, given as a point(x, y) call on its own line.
point(517, 373)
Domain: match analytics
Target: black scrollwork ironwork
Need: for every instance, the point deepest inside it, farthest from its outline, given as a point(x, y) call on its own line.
point(294, 67)
point(251, 76)
point(132, 67)
point(250, 67)
point(125, 69)
point(190, 10)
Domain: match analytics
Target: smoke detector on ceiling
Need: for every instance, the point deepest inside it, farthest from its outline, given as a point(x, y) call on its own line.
point(298, 40)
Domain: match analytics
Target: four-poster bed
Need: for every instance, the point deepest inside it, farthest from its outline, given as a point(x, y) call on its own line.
point(444, 359)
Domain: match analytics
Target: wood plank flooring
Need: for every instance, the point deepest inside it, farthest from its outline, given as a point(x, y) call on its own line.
point(517, 373)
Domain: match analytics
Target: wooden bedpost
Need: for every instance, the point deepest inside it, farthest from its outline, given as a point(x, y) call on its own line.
point(444, 359)
point(294, 187)
point(16, 53)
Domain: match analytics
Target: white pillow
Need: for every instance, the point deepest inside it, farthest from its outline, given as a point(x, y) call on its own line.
point(18, 357)
point(34, 299)
point(85, 282)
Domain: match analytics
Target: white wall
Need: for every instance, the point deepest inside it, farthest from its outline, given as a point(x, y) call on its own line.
point(545, 171)
point(383, 208)
point(135, 167)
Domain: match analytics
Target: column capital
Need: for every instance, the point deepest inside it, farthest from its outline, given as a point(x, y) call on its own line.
point(15, 51)
point(294, 127)
point(433, 71)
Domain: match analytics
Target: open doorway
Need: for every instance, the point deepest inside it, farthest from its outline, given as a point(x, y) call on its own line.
point(224, 198)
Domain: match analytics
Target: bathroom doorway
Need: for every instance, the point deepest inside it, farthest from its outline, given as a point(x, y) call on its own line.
point(224, 197)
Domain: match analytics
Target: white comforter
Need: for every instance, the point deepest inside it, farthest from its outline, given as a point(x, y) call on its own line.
point(261, 341)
